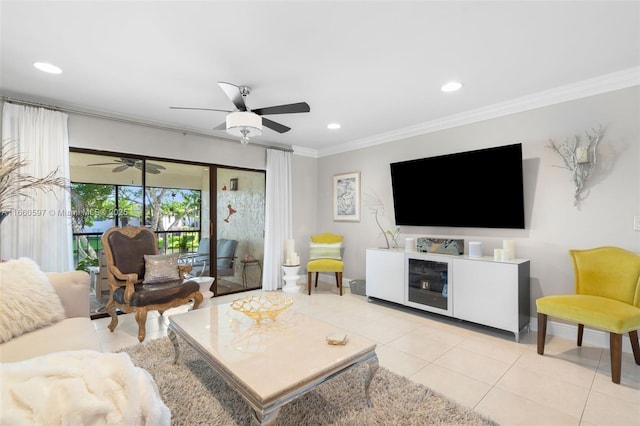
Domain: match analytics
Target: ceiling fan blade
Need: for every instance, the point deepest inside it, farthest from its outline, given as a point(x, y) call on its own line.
point(120, 168)
point(221, 126)
point(283, 109)
point(201, 109)
point(155, 166)
point(103, 164)
point(280, 128)
point(150, 168)
point(233, 92)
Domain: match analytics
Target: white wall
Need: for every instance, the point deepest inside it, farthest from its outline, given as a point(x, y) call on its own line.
point(553, 224)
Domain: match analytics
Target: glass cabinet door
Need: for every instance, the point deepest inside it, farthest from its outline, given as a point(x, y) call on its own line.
point(428, 284)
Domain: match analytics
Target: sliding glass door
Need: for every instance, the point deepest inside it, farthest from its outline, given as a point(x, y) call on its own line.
point(171, 198)
point(240, 201)
point(219, 233)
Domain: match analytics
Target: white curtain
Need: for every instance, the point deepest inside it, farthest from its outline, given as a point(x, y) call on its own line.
point(278, 223)
point(40, 227)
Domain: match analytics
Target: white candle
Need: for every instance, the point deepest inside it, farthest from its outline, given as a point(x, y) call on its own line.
point(289, 247)
point(582, 154)
point(497, 255)
point(508, 250)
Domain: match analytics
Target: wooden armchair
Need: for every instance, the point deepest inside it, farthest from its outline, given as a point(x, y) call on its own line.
point(140, 280)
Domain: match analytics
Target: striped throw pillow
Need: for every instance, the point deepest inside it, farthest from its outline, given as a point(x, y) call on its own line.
point(325, 251)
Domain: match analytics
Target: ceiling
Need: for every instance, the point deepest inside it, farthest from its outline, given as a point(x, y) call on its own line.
point(374, 67)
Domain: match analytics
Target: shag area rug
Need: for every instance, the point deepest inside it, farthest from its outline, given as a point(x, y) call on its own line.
point(196, 395)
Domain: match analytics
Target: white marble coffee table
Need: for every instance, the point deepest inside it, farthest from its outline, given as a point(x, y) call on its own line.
point(271, 363)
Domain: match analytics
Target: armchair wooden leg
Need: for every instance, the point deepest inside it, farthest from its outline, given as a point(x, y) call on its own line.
point(339, 281)
point(197, 300)
point(111, 310)
point(615, 343)
point(580, 333)
point(542, 332)
point(141, 319)
point(309, 282)
point(317, 273)
point(635, 346)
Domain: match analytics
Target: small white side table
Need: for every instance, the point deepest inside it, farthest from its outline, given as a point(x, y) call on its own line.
point(205, 285)
point(291, 278)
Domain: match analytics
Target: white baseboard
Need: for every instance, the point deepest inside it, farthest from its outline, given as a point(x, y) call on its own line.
point(570, 332)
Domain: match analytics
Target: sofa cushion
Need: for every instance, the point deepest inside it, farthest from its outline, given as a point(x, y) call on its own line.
point(67, 335)
point(28, 300)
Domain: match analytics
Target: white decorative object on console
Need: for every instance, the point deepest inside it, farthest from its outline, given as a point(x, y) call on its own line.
point(410, 244)
point(497, 255)
point(508, 250)
point(475, 249)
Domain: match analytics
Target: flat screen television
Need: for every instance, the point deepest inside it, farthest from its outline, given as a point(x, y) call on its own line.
point(475, 189)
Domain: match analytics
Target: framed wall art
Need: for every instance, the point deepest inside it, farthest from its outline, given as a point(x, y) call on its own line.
point(346, 197)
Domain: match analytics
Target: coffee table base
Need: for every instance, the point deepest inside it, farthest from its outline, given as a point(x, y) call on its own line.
point(265, 415)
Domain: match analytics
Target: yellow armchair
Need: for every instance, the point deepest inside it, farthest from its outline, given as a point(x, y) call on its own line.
point(325, 256)
point(607, 297)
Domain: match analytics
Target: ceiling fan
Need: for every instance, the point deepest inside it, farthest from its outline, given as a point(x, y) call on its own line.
point(125, 163)
point(247, 123)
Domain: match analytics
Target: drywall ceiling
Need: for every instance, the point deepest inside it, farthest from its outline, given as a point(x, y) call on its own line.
point(374, 67)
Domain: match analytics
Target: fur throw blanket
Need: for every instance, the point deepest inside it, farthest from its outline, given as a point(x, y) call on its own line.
point(79, 388)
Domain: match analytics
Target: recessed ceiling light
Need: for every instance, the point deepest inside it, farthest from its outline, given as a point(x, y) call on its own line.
point(46, 67)
point(333, 126)
point(451, 86)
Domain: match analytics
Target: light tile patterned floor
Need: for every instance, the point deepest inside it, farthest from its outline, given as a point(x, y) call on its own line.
point(481, 368)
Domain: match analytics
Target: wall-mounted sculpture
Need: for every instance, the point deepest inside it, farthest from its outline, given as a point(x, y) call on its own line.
point(580, 159)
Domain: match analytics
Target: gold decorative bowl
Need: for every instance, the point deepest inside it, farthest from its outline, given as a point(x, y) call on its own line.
point(264, 306)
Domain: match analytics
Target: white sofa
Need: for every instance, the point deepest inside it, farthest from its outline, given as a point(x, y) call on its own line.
point(75, 332)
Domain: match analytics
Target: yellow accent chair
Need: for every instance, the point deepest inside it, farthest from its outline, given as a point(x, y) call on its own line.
point(325, 255)
point(607, 297)
point(140, 280)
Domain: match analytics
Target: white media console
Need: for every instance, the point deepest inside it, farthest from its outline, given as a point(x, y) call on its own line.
point(474, 289)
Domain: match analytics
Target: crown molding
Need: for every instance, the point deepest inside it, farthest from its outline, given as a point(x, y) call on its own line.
point(582, 89)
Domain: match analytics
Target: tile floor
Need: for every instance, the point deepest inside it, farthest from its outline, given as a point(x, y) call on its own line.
point(480, 368)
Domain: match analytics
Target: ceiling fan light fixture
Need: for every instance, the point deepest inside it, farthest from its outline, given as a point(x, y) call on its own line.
point(47, 67)
point(244, 124)
point(451, 86)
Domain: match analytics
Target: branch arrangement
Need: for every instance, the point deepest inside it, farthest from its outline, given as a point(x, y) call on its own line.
point(375, 205)
point(14, 184)
point(579, 160)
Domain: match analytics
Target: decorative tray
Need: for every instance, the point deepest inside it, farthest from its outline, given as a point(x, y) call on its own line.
point(264, 306)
